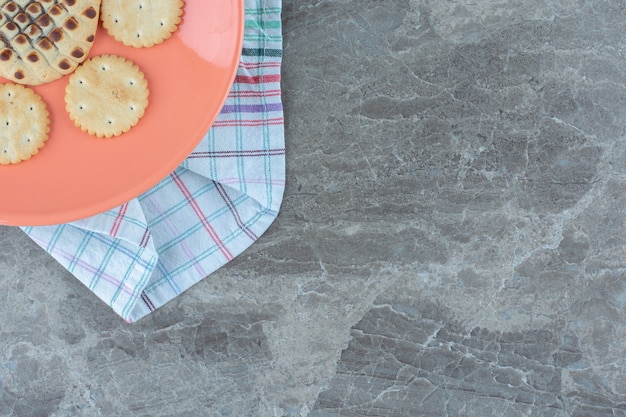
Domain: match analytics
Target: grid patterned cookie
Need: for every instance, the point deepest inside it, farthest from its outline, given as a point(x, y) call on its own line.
point(42, 40)
point(24, 123)
point(106, 96)
point(141, 23)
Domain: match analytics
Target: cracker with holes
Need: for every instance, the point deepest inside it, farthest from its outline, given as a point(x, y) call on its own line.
point(106, 96)
point(42, 40)
point(141, 23)
point(24, 123)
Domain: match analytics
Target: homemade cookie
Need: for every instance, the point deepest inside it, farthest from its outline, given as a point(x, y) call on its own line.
point(42, 40)
point(24, 123)
point(106, 96)
point(141, 23)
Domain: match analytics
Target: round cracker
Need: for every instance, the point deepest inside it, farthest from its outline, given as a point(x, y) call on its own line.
point(141, 23)
point(106, 96)
point(24, 123)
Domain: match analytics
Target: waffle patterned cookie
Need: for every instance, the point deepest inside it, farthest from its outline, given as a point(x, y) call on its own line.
point(42, 40)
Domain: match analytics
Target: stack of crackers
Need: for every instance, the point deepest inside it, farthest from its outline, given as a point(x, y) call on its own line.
point(44, 40)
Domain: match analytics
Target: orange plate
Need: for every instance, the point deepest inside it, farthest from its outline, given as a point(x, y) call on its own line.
point(76, 175)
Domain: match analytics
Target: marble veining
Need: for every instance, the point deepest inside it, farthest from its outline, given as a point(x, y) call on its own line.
point(451, 240)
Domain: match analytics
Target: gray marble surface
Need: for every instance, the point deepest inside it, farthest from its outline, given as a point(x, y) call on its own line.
point(452, 241)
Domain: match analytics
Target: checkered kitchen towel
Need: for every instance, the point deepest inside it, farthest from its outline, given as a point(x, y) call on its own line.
point(216, 204)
